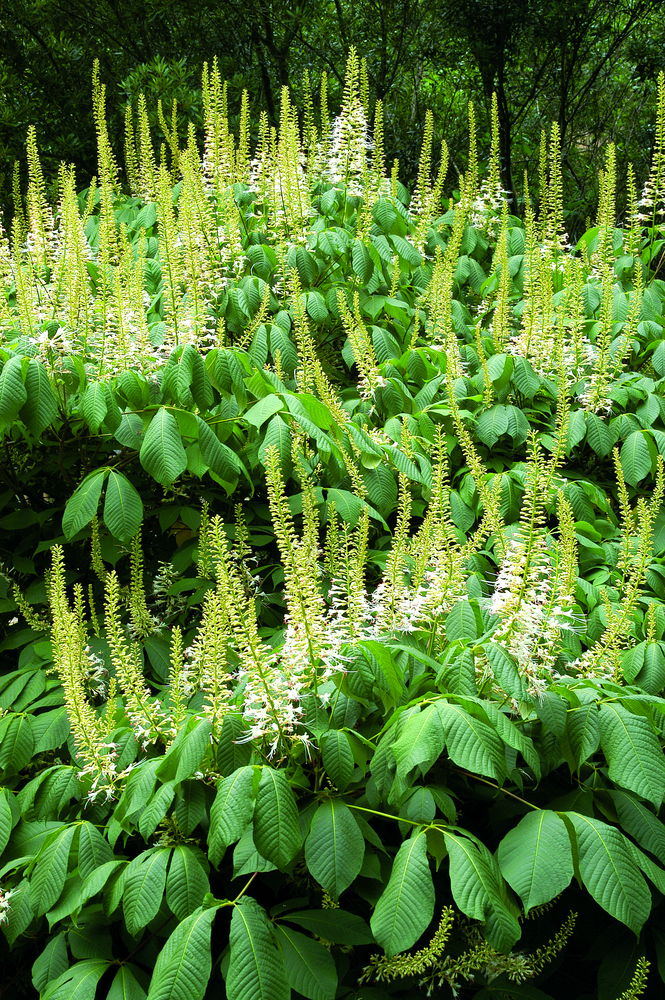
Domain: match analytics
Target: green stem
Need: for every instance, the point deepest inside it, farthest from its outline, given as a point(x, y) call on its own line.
point(493, 784)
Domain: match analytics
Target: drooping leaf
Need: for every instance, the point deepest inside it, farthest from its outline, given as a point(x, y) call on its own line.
point(609, 871)
point(476, 883)
point(188, 749)
point(125, 986)
point(231, 811)
point(123, 507)
point(338, 926)
point(581, 737)
point(309, 967)
point(638, 820)
point(93, 404)
point(48, 877)
point(335, 847)
point(276, 830)
point(406, 906)
point(79, 982)
point(420, 743)
point(256, 967)
point(535, 858)
point(83, 503)
point(12, 390)
point(636, 457)
point(156, 809)
point(337, 758)
point(471, 743)
point(144, 888)
point(633, 752)
point(600, 436)
point(6, 819)
point(162, 452)
point(51, 964)
point(40, 408)
point(183, 966)
point(94, 850)
point(187, 882)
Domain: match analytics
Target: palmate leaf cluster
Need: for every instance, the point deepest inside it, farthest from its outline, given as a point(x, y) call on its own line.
point(362, 689)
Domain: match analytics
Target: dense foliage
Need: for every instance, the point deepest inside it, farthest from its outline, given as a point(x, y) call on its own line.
point(332, 579)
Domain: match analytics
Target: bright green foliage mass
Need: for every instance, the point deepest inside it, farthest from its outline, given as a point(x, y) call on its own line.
point(331, 571)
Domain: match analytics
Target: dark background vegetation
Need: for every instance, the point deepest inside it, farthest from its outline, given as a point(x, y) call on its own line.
point(589, 65)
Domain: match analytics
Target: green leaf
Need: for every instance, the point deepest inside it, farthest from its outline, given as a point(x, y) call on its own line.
point(651, 677)
point(183, 966)
point(609, 871)
point(231, 811)
point(363, 265)
point(635, 458)
point(12, 391)
point(162, 452)
point(633, 752)
point(406, 906)
point(97, 879)
point(40, 408)
point(471, 744)
point(93, 404)
point(17, 742)
point(640, 823)
point(335, 847)
point(125, 986)
point(50, 729)
point(492, 424)
point(310, 968)
point(478, 890)
point(6, 819)
point(406, 250)
point(524, 378)
point(20, 914)
point(48, 877)
point(221, 459)
point(316, 306)
point(348, 505)
point(185, 754)
point(277, 435)
point(463, 621)
point(535, 858)
point(276, 830)
point(338, 926)
point(600, 436)
point(79, 982)
point(94, 850)
point(507, 731)
point(187, 883)
point(83, 503)
point(506, 672)
point(265, 408)
point(191, 806)
point(337, 758)
point(51, 964)
point(653, 872)
point(144, 888)
point(256, 967)
point(306, 266)
point(420, 743)
point(581, 737)
point(123, 507)
point(246, 858)
point(156, 809)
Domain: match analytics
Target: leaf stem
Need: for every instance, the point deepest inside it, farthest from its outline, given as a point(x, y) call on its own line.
point(244, 890)
point(492, 784)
